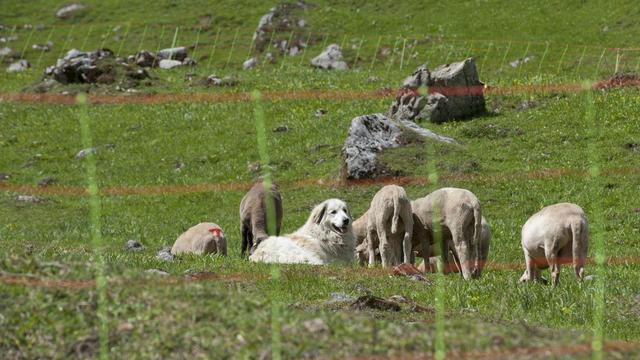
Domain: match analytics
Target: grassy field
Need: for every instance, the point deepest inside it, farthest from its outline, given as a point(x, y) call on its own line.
point(163, 167)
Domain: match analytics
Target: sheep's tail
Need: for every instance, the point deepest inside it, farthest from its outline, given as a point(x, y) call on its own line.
point(396, 214)
point(477, 233)
point(579, 250)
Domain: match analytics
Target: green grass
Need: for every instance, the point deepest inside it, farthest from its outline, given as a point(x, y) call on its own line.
point(515, 161)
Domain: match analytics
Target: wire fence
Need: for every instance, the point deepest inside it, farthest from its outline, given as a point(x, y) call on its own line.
point(524, 63)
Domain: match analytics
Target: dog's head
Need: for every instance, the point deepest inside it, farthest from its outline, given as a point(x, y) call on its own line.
point(333, 214)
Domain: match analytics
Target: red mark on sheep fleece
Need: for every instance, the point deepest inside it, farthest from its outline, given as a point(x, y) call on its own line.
point(215, 231)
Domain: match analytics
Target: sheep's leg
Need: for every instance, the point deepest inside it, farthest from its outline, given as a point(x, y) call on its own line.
point(530, 273)
point(554, 265)
point(247, 241)
point(386, 252)
point(370, 248)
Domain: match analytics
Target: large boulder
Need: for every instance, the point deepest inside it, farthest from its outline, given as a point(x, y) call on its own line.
point(371, 134)
point(284, 28)
point(454, 92)
point(330, 59)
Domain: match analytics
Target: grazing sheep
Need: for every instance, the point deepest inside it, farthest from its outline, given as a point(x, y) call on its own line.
point(483, 252)
point(326, 237)
point(555, 234)
point(390, 226)
point(460, 217)
point(204, 238)
point(253, 215)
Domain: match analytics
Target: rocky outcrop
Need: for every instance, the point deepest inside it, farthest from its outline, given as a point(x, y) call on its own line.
point(451, 91)
point(371, 134)
point(284, 28)
point(330, 59)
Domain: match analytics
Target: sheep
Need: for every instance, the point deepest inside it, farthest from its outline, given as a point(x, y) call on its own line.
point(203, 238)
point(553, 235)
point(255, 207)
point(460, 217)
point(390, 226)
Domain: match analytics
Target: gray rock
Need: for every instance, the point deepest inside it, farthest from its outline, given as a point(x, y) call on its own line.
point(369, 135)
point(43, 47)
point(320, 112)
point(69, 11)
point(157, 272)
point(145, 58)
point(330, 59)
point(32, 199)
point(176, 53)
point(134, 245)
point(4, 176)
point(46, 181)
point(165, 254)
point(6, 39)
point(340, 298)
point(5, 51)
point(250, 63)
point(283, 28)
point(454, 92)
point(85, 152)
point(517, 62)
point(189, 62)
point(315, 326)
point(169, 64)
point(18, 66)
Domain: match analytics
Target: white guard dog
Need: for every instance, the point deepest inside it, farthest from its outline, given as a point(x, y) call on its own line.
point(326, 237)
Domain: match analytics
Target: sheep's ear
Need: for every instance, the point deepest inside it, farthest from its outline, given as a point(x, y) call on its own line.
point(318, 213)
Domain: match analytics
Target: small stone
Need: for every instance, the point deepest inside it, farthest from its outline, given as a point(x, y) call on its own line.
point(145, 58)
point(125, 327)
point(320, 112)
point(47, 181)
point(330, 59)
point(250, 63)
point(340, 298)
point(134, 245)
point(189, 62)
point(4, 176)
point(70, 11)
point(85, 152)
point(157, 272)
point(18, 66)
point(169, 64)
point(589, 278)
point(176, 53)
point(5, 51)
point(43, 47)
point(32, 199)
point(179, 165)
point(165, 254)
point(315, 326)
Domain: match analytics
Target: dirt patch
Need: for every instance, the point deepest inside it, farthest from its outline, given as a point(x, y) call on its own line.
point(618, 81)
point(368, 302)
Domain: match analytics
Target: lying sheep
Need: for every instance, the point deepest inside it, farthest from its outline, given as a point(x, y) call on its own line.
point(253, 215)
point(390, 226)
point(460, 217)
point(204, 238)
point(553, 235)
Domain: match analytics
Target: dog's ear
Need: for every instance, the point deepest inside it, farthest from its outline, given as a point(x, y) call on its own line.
point(318, 212)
